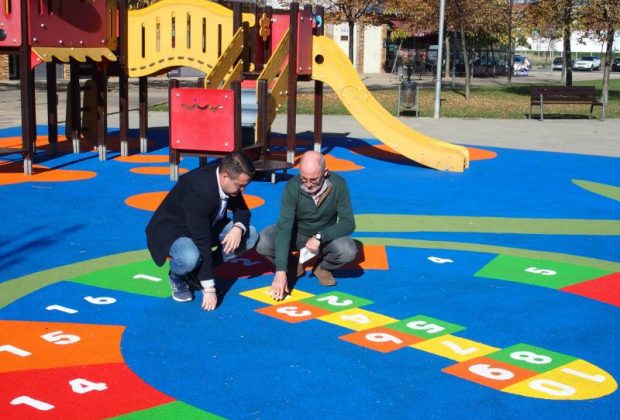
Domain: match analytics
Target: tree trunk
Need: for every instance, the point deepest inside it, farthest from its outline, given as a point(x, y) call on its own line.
point(447, 55)
point(510, 3)
point(456, 51)
point(466, 60)
point(607, 70)
point(567, 51)
point(351, 43)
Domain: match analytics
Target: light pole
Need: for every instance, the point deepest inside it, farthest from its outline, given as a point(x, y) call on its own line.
point(442, 12)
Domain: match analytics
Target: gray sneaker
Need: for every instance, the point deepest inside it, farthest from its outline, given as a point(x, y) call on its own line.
point(180, 289)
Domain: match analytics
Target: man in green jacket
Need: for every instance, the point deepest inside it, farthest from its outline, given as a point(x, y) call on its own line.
point(316, 215)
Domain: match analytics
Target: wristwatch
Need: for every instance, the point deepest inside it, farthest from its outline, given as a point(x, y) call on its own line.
point(318, 237)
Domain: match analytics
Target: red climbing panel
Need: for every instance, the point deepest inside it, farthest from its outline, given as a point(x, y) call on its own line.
point(202, 119)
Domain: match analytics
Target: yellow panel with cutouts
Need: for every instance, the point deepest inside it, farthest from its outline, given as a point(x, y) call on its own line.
point(176, 33)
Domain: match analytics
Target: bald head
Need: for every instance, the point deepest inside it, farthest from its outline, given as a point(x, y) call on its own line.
point(312, 161)
point(312, 171)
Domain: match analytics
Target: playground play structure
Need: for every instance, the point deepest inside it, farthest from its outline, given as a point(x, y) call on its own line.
point(252, 59)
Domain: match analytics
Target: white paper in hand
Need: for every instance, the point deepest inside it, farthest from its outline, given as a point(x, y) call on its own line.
point(305, 255)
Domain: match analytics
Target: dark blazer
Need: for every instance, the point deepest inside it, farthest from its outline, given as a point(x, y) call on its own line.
point(189, 210)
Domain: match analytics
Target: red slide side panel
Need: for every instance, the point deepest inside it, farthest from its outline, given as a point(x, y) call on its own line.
point(202, 119)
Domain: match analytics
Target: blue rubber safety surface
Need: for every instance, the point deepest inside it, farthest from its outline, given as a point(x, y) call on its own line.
point(550, 353)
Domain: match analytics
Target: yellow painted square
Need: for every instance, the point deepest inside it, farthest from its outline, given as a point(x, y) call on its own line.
point(357, 319)
point(577, 380)
point(455, 348)
point(262, 295)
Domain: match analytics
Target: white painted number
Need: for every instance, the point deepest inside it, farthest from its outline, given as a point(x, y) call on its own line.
point(82, 386)
point(61, 309)
point(104, 300)
point(552, 387)
point(541, 271)
point(383, 338)
point(359, 318)
point(438, 260)
point(18, 352)
point(532, 358)
point(458, 349)
point(486, 371)
point(593, 378)
point(58, 337)
point(39, 405)
point(292, 311)
point(425, 326)
point(146, 277)
point(333, 300)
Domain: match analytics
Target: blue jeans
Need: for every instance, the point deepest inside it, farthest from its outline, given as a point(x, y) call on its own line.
point(185, 255)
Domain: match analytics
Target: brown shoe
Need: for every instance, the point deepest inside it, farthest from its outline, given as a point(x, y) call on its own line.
point(325, 276)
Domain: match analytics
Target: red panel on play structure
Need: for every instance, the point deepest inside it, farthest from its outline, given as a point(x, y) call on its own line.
point(281, 23)
point(279, 26)
point(10, 23)
point(71, 23)
point(304, 42)
point(202, 119)
point(606, 289)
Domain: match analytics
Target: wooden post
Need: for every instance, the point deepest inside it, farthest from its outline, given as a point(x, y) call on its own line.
point(262, 131)
point(52, 106)
point(123, 79)
point(74, 105)
point(143, 98)
point(252, 48)
point(236, 88)
point(291, 112)
point(237, 18)
point(101, 79)
point(174, 158)
point(29, 126)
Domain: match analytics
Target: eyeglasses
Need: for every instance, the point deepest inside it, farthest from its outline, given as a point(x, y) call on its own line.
point(239, 185)
point(313, 181)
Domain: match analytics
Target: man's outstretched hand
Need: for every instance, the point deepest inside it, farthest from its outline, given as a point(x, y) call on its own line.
point(232, 240)
point(279, 286)
point(209, 299)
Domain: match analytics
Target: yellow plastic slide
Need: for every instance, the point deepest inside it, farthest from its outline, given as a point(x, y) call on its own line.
point(333, 67)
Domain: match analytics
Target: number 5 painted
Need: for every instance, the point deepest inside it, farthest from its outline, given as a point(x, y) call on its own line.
point(542, 271)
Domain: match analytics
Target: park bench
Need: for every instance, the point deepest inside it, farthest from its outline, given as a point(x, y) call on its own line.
point(545, 95)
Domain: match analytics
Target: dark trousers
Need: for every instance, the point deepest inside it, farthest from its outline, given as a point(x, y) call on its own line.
point(334, 254)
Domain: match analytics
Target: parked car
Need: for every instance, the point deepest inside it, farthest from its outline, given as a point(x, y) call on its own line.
point(587, 62)
point(486, 66)
point(558, 62)
point(520, 63)
point(615, 66)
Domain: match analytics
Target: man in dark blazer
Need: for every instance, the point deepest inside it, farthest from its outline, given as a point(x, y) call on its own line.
point(192, 219)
